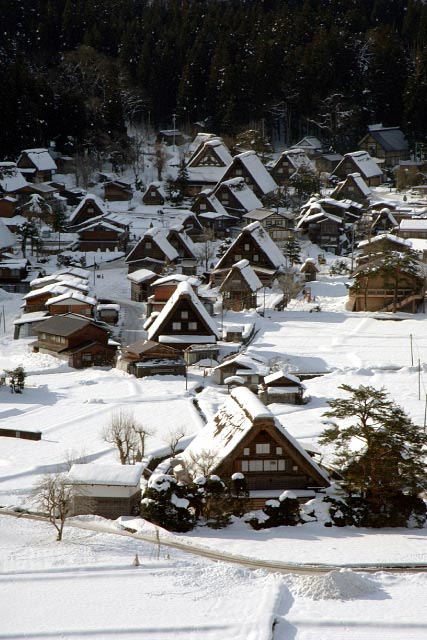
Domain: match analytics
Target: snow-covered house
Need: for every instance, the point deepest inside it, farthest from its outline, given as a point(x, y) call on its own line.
point(37, 165)
point(278, 224)
point(35, 299)
point(289, 162)
point(117, 190)
point(12, 182)
point(101, 234)
point(386, 143)
point(353, 187)
point(281, 387)
point(239, 287)
point(236, 197)
point(211, 213)
point(254, 245)
point(71, 302)
point(243, 369)
point(90, 207)
point(154, 194)
point(310, 145)
point(160, 246)
point(377, 287)
point(245, 437)
point(183, 321)
point(360, 162)
point(163, 288)
point(148, 358)
point(80, 341)
point(107, 490)
point(249, 166)
point(309, 270)
point(140, 284)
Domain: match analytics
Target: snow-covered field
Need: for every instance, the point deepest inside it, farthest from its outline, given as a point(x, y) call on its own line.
point(87, 586)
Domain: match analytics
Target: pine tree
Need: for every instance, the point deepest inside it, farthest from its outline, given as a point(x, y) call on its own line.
point(390, 461)
point(292, 250)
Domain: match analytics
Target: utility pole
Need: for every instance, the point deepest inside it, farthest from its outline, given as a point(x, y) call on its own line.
point(174, 127)
point(412, 351)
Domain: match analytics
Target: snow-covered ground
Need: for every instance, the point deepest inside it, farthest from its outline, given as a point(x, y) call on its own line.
point(87, 585)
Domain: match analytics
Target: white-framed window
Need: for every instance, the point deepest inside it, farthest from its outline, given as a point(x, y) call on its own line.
point(192, 326)
point(295, 468)
point(278, 451)
point(262, 448)
point(202, 206)
point(184, 315)
point(148, 245)
point(246, 246)
point(237, 257)
point(246, 451)
point(255, 257)
point(239, 171)
point(270, 465)
point(245, 465)
point(176, 326)
point(280, 170)
point(281, 466)
point(255, 465)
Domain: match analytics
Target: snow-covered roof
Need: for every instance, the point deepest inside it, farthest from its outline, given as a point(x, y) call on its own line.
point(309, 142)
point(54, 288)
point(183, 289)
point(248, 274)
point(276, 375)
point(177, 277)
point(413, 224)
point(7, 238)
point(141, 275)
point(265, 243)
point(205, 174)
point(256, 169)
point(390, 138)
point(88, 199)
point(252, 365)
point(11, 179)
point(71, 297)
point(360, 183)
point(106, 474)
point(365, 164)
point(41, 159)
point(220, 150)
point(385, 236)
point(298, 158)
point(158, 186)
point(232, 423)
point(76, 271)
point(242, 193)
point(199, 140)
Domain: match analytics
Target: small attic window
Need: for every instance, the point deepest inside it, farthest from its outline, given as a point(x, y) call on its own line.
point(263, 448)
point(246, 451)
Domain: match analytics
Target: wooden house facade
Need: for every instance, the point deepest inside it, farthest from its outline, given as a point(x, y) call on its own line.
point(37, 165)
point(239, 288)
point(387, 143)
point(236, 197)
point(362, 163)
point(183, 321)
point(159, 247)
point(248, 166)
point(78, 340)
point(148, 358)
point(245, 437)
point(89, 207)
point(106, 490)
point(254, 245)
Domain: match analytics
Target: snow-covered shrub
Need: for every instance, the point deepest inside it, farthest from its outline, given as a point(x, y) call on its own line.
point(400, 510)
point(286, 511)
point(165, 503)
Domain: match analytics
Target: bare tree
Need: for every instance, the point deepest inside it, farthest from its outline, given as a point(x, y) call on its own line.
point(173, 438)
point(54, 497)
point(206, 248)
point(160, 157)
point(202, 463)
point(125, 433)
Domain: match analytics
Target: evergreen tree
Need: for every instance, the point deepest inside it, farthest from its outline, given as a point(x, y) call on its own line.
point(292, 250)
point(390, 459)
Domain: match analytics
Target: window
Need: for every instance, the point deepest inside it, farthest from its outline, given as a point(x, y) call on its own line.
point(239, 171)
point(245, 465)
point(281, 466)
point(280, 170)
point(255, 257)
point(255, 380)
point(176, 326)
point(246, 246)
point(263, 448)
point(202, 207)
point(192, 326)
point(255, 465)
point(246, 451)
point(148, 245)
point(270, 465)
point(87, 357)
point(184, 315)
point(237, 257)
point(278, 451)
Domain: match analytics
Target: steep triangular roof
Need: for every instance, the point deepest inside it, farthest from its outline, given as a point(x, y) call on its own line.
point(246, 272)
point(183, 289)
point(257, 171)
point(233, 423)
point(243, 194)
point(88, 200)
point(40, 158)
point(265, 244)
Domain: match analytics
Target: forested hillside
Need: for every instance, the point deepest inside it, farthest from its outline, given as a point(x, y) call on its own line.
point(77, 70)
